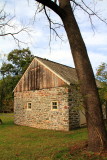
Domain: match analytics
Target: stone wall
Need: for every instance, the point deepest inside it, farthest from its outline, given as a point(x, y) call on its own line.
point(76, 110)
point(42, 115)
point(75, 104)
point(66, 117)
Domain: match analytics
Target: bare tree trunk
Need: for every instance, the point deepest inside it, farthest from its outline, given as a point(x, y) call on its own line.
point(97, 136)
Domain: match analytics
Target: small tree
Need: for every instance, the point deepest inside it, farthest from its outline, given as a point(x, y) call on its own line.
point(101, 75)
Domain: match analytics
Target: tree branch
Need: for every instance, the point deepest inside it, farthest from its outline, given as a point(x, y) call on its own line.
point(50, 24)
point(52, 5)
point(89, 11)
point(16, 33)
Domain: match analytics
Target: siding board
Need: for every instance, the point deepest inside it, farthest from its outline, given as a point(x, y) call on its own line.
point(38, 77)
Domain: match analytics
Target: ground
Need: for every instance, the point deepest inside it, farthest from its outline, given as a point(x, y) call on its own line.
point(25, 143)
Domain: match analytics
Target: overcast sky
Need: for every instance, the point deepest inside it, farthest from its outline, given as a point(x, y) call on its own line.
point(38, 41)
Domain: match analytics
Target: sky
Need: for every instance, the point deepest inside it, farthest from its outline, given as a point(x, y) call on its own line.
point(38, 36)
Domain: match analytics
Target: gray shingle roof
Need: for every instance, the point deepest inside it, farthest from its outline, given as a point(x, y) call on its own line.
point(66, 72)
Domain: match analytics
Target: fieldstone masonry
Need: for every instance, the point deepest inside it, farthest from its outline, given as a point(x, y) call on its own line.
point(46, 83)
point(41, 114)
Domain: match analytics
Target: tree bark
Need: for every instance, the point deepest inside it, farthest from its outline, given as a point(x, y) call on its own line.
point(97, 136)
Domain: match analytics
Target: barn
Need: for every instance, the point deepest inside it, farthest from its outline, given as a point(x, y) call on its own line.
point(47, 97)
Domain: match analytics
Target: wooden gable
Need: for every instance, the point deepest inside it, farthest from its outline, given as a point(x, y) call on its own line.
point(38, 76)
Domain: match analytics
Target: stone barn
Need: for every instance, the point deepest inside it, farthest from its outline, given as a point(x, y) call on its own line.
point(47, 97)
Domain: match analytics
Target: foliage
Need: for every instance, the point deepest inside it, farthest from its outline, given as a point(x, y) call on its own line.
point(102, 76)
point(6, 92)
point(6, 68)
point(102, 72)
point(18, 61)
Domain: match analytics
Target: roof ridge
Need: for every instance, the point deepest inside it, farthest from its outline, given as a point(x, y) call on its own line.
point(54, 62)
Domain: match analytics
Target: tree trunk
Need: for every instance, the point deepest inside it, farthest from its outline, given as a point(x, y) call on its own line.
point(106, 110)
point(97, 136)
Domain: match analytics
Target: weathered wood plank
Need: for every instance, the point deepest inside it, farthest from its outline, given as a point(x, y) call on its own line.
point(38, 77)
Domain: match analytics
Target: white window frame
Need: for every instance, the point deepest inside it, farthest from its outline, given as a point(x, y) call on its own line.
point(28, 105)
point(52, 105)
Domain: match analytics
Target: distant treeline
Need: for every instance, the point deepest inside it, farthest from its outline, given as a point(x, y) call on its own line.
point(11, 71)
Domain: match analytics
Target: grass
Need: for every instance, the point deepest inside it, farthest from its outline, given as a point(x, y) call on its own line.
point(25, 143)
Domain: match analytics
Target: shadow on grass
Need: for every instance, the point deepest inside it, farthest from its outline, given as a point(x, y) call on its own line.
point(9, 123)
point(7, 119)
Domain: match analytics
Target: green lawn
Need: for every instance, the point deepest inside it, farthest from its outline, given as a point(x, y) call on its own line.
point(25, 143)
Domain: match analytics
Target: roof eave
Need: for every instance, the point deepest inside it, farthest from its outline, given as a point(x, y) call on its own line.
point(52, 71)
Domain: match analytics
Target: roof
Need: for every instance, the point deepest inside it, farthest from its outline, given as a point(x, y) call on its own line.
point(65, 72)
point(68, 74)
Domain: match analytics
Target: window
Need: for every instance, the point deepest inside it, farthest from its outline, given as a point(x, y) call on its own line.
point(29, 105)
point(54, 105)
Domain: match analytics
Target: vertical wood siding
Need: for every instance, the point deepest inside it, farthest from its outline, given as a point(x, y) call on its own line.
point(38, 77)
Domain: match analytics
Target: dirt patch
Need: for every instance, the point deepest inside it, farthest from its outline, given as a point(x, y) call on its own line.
point(79, 147)
point(80, 150)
